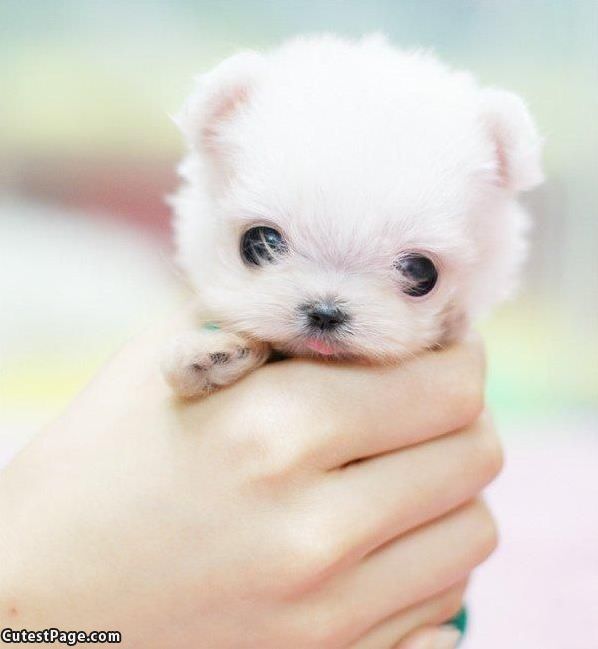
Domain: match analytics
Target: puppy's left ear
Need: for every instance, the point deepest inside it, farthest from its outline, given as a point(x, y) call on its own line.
point(517, 145)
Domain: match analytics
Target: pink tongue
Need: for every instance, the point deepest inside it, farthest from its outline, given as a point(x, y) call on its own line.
point(320, 347)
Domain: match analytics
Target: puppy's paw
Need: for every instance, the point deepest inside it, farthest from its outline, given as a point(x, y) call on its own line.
point(197, 362)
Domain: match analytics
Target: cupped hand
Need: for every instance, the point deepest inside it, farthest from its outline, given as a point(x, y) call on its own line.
point(310, 505)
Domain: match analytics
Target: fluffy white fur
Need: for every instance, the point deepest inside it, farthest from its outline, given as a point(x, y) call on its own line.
point(357, 152)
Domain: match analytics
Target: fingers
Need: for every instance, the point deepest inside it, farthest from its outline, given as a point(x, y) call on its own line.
point(381, 498)
point(416, 566)
point(428, 615)
point(347, 412)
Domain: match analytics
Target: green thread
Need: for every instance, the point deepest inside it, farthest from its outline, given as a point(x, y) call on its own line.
point(460, 621)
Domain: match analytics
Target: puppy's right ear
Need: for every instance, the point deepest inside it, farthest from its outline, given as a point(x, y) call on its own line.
point(219, 96)
point(517, 145)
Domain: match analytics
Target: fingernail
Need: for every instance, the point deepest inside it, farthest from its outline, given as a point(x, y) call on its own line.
point(447, 637)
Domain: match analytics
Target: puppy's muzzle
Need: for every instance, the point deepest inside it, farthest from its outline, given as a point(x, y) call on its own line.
point(324, 316)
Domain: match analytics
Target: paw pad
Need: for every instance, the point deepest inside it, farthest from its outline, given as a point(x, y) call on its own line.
point(219, 358)
point(243, 352)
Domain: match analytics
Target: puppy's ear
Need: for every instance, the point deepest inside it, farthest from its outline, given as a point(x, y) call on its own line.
point(218, 97)
point(517, 146)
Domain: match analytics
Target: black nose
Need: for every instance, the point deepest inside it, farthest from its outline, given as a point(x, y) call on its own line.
point(324, 316)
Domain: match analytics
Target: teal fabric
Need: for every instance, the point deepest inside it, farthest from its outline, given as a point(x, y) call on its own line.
point(460, 621)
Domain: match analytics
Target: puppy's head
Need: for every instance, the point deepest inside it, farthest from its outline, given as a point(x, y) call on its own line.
point(349, 199)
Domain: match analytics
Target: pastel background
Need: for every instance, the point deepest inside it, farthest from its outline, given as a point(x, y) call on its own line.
point(87, 152)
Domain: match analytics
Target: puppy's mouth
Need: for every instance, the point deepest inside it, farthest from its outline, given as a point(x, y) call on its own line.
point(321, 347)
point(318, 346)
point(331, 345)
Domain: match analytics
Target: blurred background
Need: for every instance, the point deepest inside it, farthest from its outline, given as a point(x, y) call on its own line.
point(87, 152)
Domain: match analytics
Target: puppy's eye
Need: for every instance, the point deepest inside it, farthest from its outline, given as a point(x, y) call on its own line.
point(262, 245)
point(419, 273)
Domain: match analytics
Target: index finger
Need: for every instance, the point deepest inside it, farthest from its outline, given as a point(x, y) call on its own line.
point(352, 412)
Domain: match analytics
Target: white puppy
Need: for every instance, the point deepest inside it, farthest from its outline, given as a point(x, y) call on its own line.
point(344, 199)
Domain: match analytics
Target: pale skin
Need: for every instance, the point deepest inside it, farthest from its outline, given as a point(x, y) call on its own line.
point(244, 519)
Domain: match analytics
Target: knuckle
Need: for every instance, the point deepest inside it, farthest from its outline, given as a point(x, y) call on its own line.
point(260, 438)
point(470, 400)
point(288, 424)
point(466, 384)
point(295, 562)
point(491, 451)
point(250, 448)
point(486, 534)
point(326, 627)
point(320, 555)
point(314, 636)
point(485, 449)
point(314, 555)
point(277, 461)
point(449, 607)
point(321, 636)
point(451, 603)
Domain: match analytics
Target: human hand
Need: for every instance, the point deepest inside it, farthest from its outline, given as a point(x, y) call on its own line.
point(310, 505)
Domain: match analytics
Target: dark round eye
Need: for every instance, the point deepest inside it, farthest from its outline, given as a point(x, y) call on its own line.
point(419, 273)
point(262, 245)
